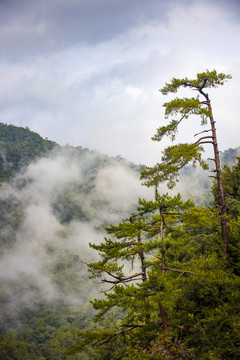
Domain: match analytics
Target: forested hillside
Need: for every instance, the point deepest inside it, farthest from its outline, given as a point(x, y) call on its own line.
point(18, 147)
point(56, 200)
point(53, 201)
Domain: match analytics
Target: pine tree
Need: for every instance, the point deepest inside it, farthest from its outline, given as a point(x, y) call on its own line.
point(135, 251)
point(177, 156)
point(179, 302)
point(170, 294)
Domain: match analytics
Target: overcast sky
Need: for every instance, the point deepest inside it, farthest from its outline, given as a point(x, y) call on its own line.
point(87, 72)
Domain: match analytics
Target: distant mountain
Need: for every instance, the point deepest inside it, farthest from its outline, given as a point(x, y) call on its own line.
point(18, 147)
point(228, 157)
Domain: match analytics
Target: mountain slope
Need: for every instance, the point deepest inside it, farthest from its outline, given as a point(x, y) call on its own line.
point(53, 202)
point(18, 147)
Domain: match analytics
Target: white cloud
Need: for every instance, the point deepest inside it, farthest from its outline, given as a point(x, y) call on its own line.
point(26, 271)
point(120, 186)
point(104, 94)
point(135, 92)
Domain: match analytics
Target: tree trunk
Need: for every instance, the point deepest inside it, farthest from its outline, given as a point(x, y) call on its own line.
point(142, 258)
point(144, 274)
point(222, 203)
point(161, 238)
point(160, 305)
point(163, 315)
point(220, 184)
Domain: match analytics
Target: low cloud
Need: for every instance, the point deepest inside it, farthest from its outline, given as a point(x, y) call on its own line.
point(35, 245)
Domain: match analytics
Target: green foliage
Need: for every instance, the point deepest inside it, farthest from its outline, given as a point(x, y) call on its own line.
point(144, 240)
point(175, 157)
point(44, 331)
point(231, 186)
point(11, 215)
point(67, 207)
point(18, 147)
point(165, 292)
point(164, 203)
point(11, 348)
point(173, 160)
point(30, 324)
point(210, 78)
point(185, 107)
point(186, 305)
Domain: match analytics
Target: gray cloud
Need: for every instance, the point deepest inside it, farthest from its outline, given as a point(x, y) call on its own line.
point(35, 27)
point(100, 90)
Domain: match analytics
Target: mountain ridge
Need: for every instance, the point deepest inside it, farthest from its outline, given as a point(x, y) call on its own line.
point(19, 146)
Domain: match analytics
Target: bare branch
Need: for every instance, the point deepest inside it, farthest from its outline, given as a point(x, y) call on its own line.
point(115, 276)
point(203, 132)
point(180, 120)
point(104, 291)
point(131, 276)
point(205, 142)
point(83, 262)
point(121, 332)
point(120, 279)
point(202, 138)
point(180, 271)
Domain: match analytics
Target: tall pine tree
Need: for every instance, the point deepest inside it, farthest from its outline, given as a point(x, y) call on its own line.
point(177, 156)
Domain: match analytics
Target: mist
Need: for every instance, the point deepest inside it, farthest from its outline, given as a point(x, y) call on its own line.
point(55, 207)
point(106, 190)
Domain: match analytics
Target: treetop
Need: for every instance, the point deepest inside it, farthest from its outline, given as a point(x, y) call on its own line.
point(207, 79)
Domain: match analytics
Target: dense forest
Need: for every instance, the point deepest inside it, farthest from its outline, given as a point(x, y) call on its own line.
point(54, 200)
point(93, 265)
point(45, 229)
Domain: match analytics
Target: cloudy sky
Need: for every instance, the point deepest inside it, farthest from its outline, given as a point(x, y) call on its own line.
point(87, 72)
